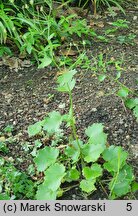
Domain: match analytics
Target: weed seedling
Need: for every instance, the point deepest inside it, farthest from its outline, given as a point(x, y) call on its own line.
point(71, 160)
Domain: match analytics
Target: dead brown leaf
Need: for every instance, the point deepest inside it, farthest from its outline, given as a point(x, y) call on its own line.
point(100, 24)
point(14, 63)
point(25, 63)
point(2, 139)
point(69, 52)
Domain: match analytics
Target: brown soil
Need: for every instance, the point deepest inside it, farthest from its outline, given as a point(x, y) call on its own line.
point(24, 98)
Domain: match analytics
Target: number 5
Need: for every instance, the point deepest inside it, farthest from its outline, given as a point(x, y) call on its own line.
point(129, 207)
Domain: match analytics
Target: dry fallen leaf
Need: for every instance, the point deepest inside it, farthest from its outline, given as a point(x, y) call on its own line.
point(100, 94)
point(15, 63)
point(92, 23)
point(2, 139)
point(11, 62)
point(115, 8)
point(25, 63)
point(112, 59)
point(69, 52)
point(97, 16)
point(1, 62)
point(47, 100)
point(100, 24)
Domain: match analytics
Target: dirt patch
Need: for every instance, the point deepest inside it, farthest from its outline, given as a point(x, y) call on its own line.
point(28, 95)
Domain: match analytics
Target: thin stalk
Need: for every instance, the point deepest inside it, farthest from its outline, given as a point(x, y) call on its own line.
point(116, 176)
point(72, 117)
point(104, 190)
point(121, 84)
point(70, 187)
point(73, 127)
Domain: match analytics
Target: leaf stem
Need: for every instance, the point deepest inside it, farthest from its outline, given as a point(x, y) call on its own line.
point(73, 126)
point(103, 189)
point(116, 176)
point(70, 187)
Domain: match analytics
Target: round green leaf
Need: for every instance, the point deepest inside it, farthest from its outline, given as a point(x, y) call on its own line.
point(46, 157)
point(52, 123)
point(34, 129)
point(73, 151)
point(72, 175)
point(123, 182)
point(4, 197)
point(101, 77)
point(87, 185)
point(92, 152)
point(92, 172)
point(115, 157)
point(45, 61)
point(130, 103)
point(43, 193)
point(66, 81)
point(135, 111)
point(134, 186)
point(96, 134)
point(53, 176)
point(123, 92)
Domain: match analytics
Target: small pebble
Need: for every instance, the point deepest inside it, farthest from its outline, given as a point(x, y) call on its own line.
point(121, 122)
point(94, 109)
point(120, 131)
point(61, 106)
point(73, 196)
point(135, 18)
point(115, 135)
point(127, 137)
